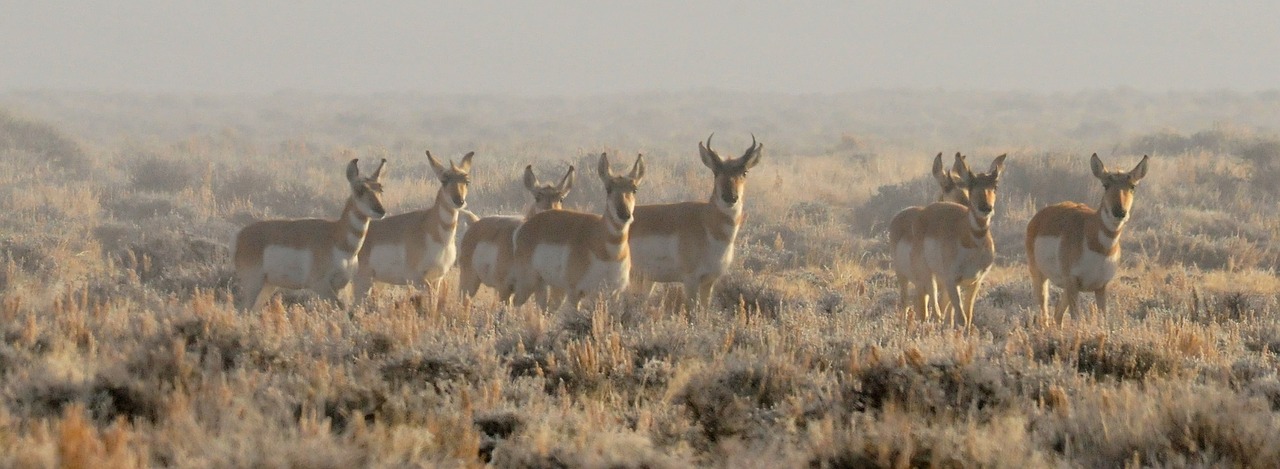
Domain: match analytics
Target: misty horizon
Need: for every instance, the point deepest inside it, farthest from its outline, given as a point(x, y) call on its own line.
point(584, 48)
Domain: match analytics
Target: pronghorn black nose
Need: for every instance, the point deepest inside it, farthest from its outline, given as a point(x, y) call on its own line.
point(731, 199)
point(1120, 213)
point(624, 214)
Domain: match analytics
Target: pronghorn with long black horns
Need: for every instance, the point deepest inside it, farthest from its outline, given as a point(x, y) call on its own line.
point(953, 243)
point(417, 248)
point(692, 242)
point(1078, 247)
point(486, 251)
point(579, 254)
point(902, 235)
point(308, 253)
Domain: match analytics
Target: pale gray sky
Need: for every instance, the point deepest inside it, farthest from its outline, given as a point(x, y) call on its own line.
point(587, 47)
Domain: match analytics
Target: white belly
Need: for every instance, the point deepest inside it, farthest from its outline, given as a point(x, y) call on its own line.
point(389, 263)
point(1048, 259)
point(902, 257)
point(484, 261)
point(964, 264)
point(287, 267)
point(607, 277)
point(657, 257)
point(551, 262)
point(716, 260)
point(1094, 270)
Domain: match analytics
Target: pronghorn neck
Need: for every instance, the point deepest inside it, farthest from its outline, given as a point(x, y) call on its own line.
point(1109, 228)
point(980, 227)
point(530, 210)
point(615, 227)
point(445, 211)
point(352, 228)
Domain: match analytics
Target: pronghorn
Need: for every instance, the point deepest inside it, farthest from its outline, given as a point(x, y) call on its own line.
point(308, 253)
point(953, 243)
point(578, 253)
point(416, 248)
point(902, 237)
point(486, 251)
point(1078, 247)
point(692, 242)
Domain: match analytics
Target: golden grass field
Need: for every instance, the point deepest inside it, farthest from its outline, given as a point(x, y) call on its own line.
point(121, 347)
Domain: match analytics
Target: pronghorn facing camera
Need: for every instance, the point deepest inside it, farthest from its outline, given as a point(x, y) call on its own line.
point(308, 253)
point(902, 237)
point(953, 245)
point(417, 248)
point(486, 251)
point(576, 253)
point(692, 242)
point(1078, 247)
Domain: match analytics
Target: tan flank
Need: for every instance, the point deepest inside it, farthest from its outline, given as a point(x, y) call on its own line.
point(486, 252)
point(416, 248)
point(953, 245)
point(692, 242)
point(1078, 247)
point(307, 253)
point(902, 236)
point(579, 254)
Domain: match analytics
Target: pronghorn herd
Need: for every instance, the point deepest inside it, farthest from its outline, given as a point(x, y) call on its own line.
point(943, 250)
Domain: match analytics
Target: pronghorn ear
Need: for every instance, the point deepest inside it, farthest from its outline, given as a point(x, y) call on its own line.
point(436, 166)
point(709, 156)
point(1139, 171)
point(637, 170)
point(465, 165)
point(961, 168)
point(353, 171)
point(939, 172)
point(566, 183)
point(997, 165)
point(377, 173)
point(752, 156)
point(530, 179)
point(1099, 169)
point(606, 174)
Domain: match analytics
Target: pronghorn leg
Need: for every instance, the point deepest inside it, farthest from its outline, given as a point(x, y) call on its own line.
point(1070, 296)
point(555, 297)
point(970, 297)
point(904, 284)
point(264, 295)
point(250, 289)
point(953, 291)
point(704, 291)
point(469, 285)
point(360, 287)
point(1100, 297)
point(921, 297)
point(935, 302)
point(691, 289)
point(523, 285)
point(1040, 287)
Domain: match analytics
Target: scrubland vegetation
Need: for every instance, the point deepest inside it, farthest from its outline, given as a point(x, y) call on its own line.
point(121, 348)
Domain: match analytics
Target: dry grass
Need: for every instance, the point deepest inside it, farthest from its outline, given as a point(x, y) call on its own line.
point(120, 347)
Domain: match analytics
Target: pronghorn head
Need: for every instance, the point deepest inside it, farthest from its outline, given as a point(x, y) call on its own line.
point(366, 191)
point(1119, 186)
point(547, 196)
point(621, 190)
point(981, 186)
point(731, 174)
point(453, 179)
point(949, 181)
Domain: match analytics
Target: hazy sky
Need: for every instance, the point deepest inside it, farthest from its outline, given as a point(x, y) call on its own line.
point(580, 47)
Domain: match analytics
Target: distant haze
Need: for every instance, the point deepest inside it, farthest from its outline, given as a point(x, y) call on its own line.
point(589, 47)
